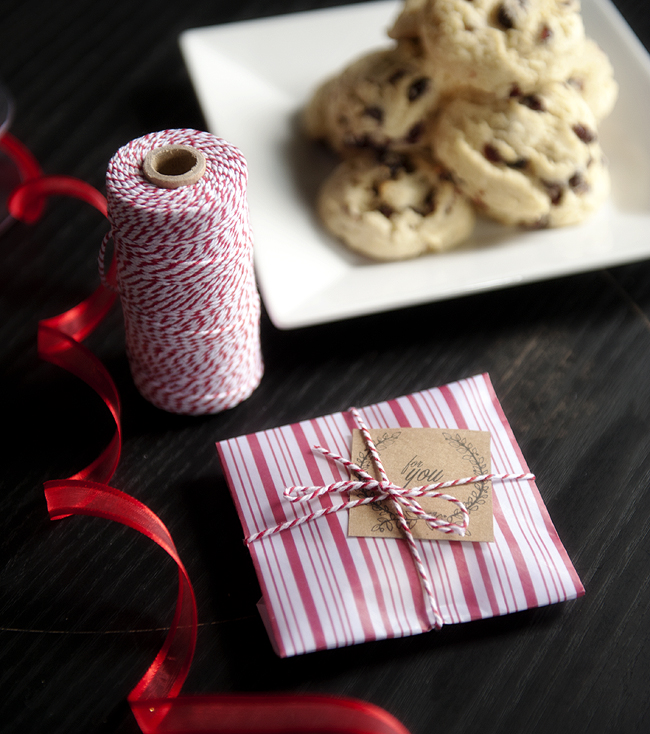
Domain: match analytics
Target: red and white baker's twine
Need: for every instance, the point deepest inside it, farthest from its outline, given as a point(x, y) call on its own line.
point(185, 277)
point(385, 490)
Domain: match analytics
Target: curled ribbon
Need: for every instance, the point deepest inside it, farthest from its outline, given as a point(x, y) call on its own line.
point(155, 701)
point(383, 490)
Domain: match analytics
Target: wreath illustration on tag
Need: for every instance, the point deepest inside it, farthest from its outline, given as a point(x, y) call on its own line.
point(386, 517)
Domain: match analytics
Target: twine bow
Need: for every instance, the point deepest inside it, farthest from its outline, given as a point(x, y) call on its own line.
point(400, 498)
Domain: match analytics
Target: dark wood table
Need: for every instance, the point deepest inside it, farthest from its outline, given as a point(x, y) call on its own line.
point(85, 603)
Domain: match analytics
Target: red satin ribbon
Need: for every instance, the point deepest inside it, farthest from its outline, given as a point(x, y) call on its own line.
point(155, 701)
point(60, 337)
point(28, 168)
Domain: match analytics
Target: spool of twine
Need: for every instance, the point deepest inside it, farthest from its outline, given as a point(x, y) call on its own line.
point(184, 254)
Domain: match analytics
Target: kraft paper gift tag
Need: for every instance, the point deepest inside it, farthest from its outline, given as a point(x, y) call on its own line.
point(414, 457)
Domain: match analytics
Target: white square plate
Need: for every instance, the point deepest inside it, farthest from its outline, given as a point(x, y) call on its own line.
point(252, 79)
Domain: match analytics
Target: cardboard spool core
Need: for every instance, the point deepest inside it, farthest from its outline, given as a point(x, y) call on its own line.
point(172, 166)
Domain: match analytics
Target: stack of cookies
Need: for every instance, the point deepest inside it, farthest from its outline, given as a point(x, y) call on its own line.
point(488, 106)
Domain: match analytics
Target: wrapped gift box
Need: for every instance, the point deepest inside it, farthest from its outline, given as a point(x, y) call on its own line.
point(322, 589)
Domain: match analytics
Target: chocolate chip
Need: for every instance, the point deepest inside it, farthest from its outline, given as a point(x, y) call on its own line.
point(415, 133)
point(395, 162)
point(584, 133)
point(504, 18)
point(492, 154)
point(418, 88)
point(533, 101)
point(377, 113)
point(409, 167)
point(555, 191)
point(428, 205)
point(515, 91)
point(578, 184)
point(396, 76)
point(386, 210)
point(519, 164)
point(358, 141)
point(545, 33)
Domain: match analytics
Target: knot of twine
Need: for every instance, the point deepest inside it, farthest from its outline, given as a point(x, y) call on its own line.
point(400, 498)
point(185, 277)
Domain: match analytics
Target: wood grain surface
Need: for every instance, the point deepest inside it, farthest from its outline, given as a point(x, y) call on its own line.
point(84, 604)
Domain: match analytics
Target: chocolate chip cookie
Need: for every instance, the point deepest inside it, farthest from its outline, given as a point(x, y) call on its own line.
point(531, 160)
point(384, 99)
point(392, 206)
point(501, 46)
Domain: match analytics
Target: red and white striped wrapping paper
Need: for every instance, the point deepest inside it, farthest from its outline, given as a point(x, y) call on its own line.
point(322, 589)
